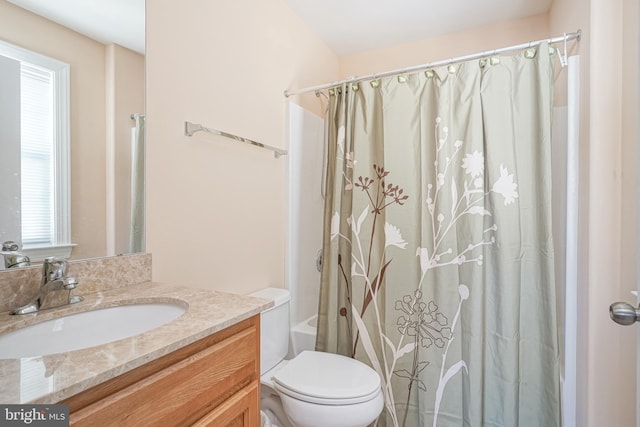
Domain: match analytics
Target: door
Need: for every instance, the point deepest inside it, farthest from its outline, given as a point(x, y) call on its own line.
point(627, 314)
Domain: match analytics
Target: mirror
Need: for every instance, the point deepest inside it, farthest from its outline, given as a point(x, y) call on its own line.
point(106, 103)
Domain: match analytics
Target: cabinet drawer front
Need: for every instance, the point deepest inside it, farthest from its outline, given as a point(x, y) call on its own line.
point(182, 393)
point(240, 410)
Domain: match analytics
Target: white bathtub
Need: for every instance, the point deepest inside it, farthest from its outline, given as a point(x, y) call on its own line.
point(303, 335)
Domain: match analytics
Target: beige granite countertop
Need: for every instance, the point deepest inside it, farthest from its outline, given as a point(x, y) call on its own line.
point(53, 378)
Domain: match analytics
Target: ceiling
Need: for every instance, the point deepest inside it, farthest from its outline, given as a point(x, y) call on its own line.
point(352, 26)
point(107, 21)
point(346, 26)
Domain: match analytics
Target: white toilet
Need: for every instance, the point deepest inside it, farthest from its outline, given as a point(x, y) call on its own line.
point(313, 389)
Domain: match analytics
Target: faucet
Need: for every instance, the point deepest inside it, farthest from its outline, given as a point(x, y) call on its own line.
point(12, 258)
point(55, 288)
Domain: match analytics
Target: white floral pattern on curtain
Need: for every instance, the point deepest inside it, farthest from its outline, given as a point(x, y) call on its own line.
point(438, 267)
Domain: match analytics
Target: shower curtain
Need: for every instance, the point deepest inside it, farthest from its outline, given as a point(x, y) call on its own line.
point(438, 253)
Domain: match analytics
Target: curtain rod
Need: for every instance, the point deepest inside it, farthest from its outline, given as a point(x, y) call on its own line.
point(564, 38)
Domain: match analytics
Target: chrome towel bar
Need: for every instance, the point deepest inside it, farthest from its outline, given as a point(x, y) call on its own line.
point(191, 128)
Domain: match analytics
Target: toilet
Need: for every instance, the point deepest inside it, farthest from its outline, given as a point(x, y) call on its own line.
point(313, 389)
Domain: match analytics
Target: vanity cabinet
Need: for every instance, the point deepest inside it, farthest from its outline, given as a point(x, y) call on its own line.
point(212, 382)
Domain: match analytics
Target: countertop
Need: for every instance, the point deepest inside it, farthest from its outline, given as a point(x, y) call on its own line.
point(53, 378)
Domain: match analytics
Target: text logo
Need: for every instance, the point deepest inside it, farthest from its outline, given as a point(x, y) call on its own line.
point(34, 415)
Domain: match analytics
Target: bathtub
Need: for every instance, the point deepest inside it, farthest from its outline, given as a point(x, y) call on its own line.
point(303, 335)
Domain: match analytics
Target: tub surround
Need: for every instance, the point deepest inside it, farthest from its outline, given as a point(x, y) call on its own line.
point(54, 378)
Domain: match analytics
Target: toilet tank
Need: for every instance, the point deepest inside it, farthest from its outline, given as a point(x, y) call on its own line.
point(274, 327)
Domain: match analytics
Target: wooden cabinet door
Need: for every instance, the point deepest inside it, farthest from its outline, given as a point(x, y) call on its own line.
point(240, 410)
point(220, 379)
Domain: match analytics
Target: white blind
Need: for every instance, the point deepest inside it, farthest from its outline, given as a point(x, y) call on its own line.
point(37, 154)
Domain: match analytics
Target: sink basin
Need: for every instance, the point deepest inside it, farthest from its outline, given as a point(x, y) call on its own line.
point(86, 329)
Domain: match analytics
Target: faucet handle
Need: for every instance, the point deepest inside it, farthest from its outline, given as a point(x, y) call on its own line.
point(69, 283)
point(10, 246)
point(53, 268)
point(13, 258)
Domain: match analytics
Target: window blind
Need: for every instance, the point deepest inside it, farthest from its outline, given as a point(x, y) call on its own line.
point(37, 155)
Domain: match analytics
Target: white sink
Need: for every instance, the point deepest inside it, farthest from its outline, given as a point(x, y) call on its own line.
point(86, 329)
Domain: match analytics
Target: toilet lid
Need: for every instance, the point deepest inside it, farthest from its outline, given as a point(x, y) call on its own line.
point(327, 378)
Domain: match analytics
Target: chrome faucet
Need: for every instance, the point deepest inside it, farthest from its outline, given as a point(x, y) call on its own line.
point(12, 258)
point(55, 288)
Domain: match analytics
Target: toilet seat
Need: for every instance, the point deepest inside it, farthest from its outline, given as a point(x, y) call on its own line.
point(327, 379)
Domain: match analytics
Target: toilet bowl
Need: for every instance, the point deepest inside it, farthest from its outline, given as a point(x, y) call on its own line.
point(313, 388)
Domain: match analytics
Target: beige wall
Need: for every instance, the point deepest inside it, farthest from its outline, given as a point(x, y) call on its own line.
point(215, 208)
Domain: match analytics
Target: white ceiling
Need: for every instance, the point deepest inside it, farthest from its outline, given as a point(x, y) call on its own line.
point(347, 26)
point(352, 26)
point(107, 21)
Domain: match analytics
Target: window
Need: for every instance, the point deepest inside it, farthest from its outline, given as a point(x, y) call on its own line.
point(44, 152)
point(36, 155)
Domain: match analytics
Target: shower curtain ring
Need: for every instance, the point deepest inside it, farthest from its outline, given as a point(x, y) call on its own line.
point(563, 56)
point(320, 93)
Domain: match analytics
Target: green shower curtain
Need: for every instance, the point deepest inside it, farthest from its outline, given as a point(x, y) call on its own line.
point(438, 254)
